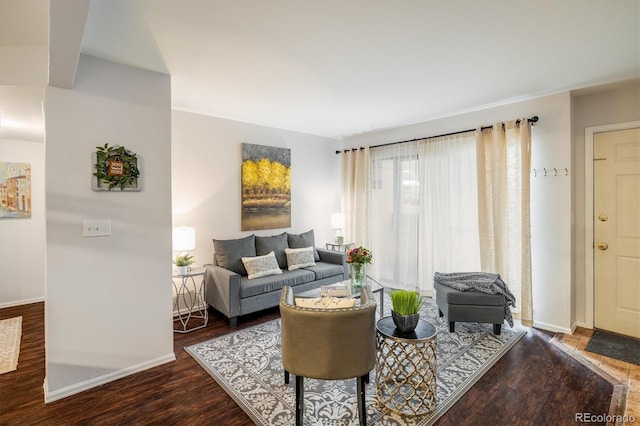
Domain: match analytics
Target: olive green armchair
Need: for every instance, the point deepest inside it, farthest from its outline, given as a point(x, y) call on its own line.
point(328, 344)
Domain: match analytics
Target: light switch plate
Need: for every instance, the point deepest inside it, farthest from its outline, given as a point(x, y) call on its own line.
point(96, 228)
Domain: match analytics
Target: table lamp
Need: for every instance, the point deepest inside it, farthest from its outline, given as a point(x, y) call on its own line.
point(337, 223)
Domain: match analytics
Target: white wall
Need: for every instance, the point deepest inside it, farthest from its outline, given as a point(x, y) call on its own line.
point(206, 158)
point(22, 241)
point(611, 104)
point(108, 302)
point(550, 197)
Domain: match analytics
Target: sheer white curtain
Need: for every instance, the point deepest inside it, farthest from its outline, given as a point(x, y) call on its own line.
point(393, 215)
point(504, 165)
point(448, 237)
point(355, 189)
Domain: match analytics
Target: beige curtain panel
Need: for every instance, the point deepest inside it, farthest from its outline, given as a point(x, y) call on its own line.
point(503, 154)
point(355, 188)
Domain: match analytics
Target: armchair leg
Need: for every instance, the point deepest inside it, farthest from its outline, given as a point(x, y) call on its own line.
point(440, 314)
point(286, 377)
point(299, 400)
point(233, 322)
point(452, 326)
point(496, 329)
point(362, 410)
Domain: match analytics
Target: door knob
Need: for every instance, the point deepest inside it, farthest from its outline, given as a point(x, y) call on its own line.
point(603, 217)
point(603, 246)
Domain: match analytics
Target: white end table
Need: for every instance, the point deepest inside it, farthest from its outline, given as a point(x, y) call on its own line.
point(190, 301)
point(344, 247)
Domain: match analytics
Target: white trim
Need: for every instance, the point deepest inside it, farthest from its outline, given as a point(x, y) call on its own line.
point(105, 378)
point(589, 133)
point(580, 324)
point(551, 327)
point(21, 302)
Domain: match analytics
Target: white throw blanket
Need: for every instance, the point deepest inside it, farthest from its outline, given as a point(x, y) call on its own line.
point(483, 282)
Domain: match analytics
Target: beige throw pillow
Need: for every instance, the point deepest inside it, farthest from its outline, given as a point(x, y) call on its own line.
point(261, 266)
point(325, 302)
point(300, 257)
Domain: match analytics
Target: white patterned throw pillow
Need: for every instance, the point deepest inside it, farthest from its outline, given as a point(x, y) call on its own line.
point(325, 302)
point(300, 257)
point(261, 266)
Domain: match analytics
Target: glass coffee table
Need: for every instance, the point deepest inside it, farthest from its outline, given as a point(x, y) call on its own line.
point(376, 287)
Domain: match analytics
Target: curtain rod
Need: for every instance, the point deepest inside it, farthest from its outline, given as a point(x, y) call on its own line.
point(531, 120)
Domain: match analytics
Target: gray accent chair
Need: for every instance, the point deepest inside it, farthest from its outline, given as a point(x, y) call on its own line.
point(470, 306)
point(328, 344)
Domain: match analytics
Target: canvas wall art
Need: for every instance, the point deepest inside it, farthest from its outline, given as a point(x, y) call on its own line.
point(266, 187)
point(15, 190)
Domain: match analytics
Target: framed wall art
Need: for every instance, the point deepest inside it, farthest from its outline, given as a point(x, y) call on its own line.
point(266, 187)
point(15, 190)
point(115, 168)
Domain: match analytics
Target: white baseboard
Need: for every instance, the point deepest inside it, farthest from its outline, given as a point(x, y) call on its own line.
point(21, 302)
point(581, 324)
point(552, 327)
point(50, 396)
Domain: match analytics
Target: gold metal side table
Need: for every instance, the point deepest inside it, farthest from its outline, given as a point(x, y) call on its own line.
point(406, 368)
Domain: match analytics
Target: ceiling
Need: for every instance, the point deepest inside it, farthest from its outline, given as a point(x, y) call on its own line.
point(338, 68)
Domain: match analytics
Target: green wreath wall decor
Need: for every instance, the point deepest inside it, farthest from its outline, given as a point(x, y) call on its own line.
point(116, 167)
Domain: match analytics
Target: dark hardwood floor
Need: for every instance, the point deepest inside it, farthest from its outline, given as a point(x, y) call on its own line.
point(535, 383)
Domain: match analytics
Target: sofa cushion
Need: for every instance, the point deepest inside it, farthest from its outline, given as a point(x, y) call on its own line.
point(325, 270)
point(276, 244)
point(300, 258)
point(272, 283)
point(229, 253)
point(306, 239)
point(325, 302)
point(456, 297)
point(261, 266)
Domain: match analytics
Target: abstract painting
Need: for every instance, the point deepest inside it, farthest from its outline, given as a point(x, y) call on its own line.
point(15, 190)
point(266, 187)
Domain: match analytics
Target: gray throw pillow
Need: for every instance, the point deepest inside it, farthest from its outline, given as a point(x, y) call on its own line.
point(229, 253)
point(303, 240)
point(276, 244)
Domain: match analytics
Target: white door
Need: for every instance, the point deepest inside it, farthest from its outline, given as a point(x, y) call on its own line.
point(617, 231)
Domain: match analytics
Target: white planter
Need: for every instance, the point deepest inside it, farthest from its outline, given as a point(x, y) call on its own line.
point(182, 270)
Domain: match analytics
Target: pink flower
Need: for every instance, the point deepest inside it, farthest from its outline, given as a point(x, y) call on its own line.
point(359, 255)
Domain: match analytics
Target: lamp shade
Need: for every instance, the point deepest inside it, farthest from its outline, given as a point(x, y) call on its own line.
point(184, 238)
point(337, 220)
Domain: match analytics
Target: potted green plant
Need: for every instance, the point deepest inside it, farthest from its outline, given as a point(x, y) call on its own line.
point(182, 263)
point(405, 309)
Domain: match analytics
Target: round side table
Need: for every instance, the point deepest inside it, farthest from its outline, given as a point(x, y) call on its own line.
point(406, 368)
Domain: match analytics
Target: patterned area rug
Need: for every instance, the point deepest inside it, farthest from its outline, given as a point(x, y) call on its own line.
point(247, 365)
point(10, 334)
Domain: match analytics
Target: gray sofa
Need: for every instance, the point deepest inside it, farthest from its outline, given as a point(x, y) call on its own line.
point(230, 291)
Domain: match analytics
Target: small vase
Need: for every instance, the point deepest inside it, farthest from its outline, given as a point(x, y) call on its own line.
point(182, 270)
point(405, 323)
point(358, 275)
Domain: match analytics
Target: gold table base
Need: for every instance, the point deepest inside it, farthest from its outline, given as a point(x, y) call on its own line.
point(406, 374)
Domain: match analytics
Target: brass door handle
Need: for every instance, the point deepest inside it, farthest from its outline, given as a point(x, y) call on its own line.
point(603, 246)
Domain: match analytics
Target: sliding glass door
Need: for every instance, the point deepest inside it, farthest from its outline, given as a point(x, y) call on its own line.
point(393, 217)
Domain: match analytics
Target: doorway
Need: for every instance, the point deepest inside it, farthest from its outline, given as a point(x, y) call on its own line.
point(613, 228)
